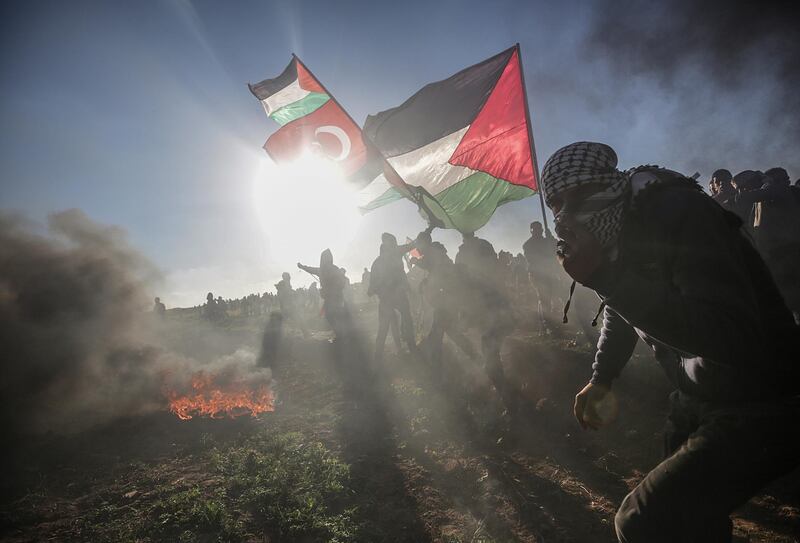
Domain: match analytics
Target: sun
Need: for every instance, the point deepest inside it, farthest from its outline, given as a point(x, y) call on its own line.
point(304, 207)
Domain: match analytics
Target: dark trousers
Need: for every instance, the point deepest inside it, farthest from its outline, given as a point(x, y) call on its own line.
point(338, 317)
point(388, 307)
point(718, 457)
point(491, 343)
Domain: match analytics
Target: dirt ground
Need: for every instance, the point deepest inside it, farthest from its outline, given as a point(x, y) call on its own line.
point(419, 461)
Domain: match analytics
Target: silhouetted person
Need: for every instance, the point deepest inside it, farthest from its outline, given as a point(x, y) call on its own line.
point(271, 341)
point(505, 271)
point(365, 279)
point(285, 292)
point(743, 183)
point(539, 250)
point(485, 306)
point(478, 256)
point(159, 308)
point(349, 298)
point(721, 188)
point(211, 310)
point(521, 277)
point(776, 231)
point(438, 292)
point(313, 298)
point(332, 282)
point(460, 289)
point(388, 281)
point(287, 300)
point(667, 262)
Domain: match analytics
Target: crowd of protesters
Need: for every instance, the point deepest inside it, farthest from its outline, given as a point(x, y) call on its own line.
point(709, 280)
point(769, 207)
point(302, 300)
point(767, 204)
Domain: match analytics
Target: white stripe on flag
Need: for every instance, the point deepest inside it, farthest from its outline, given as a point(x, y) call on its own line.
point(373, 191)
point(287, 95)
point(427, 166)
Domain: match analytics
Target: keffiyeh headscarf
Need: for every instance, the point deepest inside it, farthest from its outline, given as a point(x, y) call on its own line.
point(588, 163)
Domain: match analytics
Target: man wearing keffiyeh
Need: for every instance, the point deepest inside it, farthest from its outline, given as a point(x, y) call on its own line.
point(673, 268)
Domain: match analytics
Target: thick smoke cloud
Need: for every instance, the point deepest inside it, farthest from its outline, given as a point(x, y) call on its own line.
point(729, 71)
point(78, 347)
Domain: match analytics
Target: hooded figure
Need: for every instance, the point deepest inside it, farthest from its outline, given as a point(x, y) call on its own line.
point(389, 282)
point(667, 261)
point(332, 283)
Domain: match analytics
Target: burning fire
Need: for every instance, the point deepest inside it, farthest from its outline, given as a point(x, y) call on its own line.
point(215, 400)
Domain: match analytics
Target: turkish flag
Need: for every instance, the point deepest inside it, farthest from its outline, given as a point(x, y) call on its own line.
point(327, 130)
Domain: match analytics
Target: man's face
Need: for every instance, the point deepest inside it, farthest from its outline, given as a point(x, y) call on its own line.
point(723, 185)
point(536, 230)
point(579, 251)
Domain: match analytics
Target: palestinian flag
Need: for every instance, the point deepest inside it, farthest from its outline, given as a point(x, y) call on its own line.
point(462, 143)
point(311, 119)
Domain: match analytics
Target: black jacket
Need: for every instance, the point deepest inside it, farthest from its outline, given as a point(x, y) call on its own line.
point(388, 276)
point(691, 285)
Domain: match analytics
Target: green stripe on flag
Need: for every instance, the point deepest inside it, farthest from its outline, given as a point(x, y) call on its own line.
point(470, 203)
point(300, 108)
point(391, 195)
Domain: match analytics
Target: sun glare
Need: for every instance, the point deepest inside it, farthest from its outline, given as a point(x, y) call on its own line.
point(304, 207)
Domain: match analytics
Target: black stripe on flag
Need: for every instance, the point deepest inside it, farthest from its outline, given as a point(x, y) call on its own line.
point(437, 110)
point(268, 87)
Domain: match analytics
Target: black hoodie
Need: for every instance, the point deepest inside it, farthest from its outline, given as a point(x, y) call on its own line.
point(691, 285)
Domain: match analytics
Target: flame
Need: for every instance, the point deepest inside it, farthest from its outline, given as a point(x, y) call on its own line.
point(210, 399)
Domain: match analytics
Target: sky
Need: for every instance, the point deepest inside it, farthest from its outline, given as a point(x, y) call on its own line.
point(138, 113)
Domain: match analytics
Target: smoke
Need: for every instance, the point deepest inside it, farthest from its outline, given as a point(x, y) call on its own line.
point(79, 346)
point(725, 74)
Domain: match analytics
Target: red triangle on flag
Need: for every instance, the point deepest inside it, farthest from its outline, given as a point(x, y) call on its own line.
point(497, 140)
point(306, 80)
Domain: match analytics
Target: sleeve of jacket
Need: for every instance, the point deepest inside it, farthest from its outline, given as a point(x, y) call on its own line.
point(708, 307)
point(614, 348)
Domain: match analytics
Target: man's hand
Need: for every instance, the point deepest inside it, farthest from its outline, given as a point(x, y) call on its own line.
point(595, 407)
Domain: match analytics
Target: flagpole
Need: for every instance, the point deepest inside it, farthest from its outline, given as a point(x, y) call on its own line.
point(530, 138)
point(432, 219)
